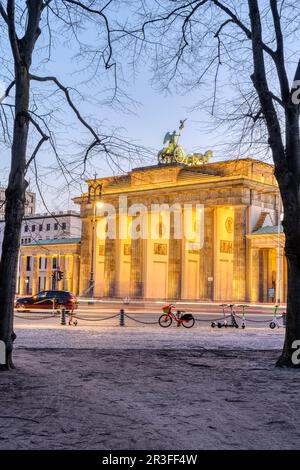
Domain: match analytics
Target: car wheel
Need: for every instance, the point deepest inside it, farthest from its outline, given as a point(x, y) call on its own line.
point(20, 307)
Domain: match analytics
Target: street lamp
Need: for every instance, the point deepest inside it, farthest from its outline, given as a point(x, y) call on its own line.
point(94, 196)
point(279, 217)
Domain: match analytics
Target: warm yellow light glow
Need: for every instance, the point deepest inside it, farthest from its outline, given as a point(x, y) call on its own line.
point(100, 205)
point(161, 213)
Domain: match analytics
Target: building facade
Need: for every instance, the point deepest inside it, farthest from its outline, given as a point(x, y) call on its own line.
point(235, 260)
point(51, 226)
point(239, 258)
point(39, 259)
point(48, 243)
point(29, 204)
point(47, 226)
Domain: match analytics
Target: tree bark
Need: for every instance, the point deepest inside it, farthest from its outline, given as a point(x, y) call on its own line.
point(293, 312)
point(14, 213)
point(289, 184)
point(288, 177)
point(22, 50)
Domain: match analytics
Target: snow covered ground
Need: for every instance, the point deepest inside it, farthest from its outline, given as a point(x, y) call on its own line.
point(98, 335)
point(143, 387)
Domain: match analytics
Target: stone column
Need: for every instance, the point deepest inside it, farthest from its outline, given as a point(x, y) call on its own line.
point(35, 275)
point(68, 272)
point(249, 270)
point(254, 275)
point(110, 268)
point(175, 262)
point(85, 255)
point(207, 257)
point(282, 276)
point(75, 274)
point(48, 283)
point(23, 274)
point(137, 265)
point(263, 274)
point(239, 253)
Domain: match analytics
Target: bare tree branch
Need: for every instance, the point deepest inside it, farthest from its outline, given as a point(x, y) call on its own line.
point(12, 30)
point(241, 25)
point(66, 92)
point(43, 139)
point(279, 54)
point(261, 85)
point(3, 13)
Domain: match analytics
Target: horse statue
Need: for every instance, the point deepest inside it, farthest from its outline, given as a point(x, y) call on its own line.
point(169, 153)
point(175, 153)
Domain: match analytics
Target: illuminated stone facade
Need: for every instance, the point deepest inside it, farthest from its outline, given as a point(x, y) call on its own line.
point(39, 259)
point(236, 261)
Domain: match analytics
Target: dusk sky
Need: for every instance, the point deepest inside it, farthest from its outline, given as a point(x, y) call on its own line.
point(155, 114)
point(145, 123)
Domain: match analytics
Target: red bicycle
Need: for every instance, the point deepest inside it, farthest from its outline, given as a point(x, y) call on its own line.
point(185, 319)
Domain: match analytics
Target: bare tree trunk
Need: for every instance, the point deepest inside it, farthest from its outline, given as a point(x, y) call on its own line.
point(15, 193)
point(293, 312)
point(288, 176)
point(290, 189)
point(14, 212)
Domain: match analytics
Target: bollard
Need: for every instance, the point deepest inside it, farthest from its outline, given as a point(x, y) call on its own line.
point(122, 317)
point(284, 318)
point(178, 315)
point(63, 317)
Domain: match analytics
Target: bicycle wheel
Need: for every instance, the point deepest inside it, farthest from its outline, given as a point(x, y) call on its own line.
point(165, 321)
point(189, 323)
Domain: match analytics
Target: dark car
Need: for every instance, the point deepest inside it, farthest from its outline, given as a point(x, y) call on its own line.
point(47, 299)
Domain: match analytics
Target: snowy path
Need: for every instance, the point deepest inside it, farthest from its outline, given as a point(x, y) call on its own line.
point(145, 337)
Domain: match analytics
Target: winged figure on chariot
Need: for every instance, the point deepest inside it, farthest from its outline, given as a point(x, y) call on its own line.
point(174, 152)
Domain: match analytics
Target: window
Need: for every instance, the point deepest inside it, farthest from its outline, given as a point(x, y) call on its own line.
point(56, 226)
point(46, 259)
point(33, 228)
point(40, 263)
point(28, 267)
point(42, 295)
point(48, 227)
point(64, 225)
point(54, 263)
point(26, 228)
point(40, 227)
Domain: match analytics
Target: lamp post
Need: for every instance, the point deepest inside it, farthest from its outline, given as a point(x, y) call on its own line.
point(94, 197)
point(279, 217)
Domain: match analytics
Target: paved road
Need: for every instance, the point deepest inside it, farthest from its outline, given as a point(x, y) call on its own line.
point(258, 316)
